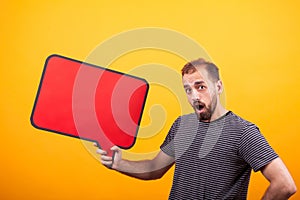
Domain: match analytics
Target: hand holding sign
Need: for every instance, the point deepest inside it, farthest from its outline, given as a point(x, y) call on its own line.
point(89, 102)
point(108, 161)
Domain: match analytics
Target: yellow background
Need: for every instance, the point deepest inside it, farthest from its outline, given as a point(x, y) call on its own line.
point(255, 44)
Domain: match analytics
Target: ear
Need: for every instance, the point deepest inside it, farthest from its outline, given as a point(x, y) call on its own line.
point(219, 87)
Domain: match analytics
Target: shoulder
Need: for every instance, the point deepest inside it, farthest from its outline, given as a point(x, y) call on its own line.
point(243, 124)
point(186, 119)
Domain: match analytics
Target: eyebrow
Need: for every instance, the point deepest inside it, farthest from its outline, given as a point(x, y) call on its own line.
point(196, 83)
point(199, 82)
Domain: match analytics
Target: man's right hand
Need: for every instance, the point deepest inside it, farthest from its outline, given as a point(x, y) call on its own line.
point(110, 162)
point(143, 169)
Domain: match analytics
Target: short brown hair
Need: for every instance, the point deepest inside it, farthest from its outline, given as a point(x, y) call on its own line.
point(210, 67)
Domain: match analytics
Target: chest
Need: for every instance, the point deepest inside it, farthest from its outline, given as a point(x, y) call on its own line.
point(208, 147)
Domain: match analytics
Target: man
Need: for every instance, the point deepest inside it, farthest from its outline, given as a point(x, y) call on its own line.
point(213, 149)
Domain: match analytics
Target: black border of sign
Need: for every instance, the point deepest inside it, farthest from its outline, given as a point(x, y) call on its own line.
point(90, 65)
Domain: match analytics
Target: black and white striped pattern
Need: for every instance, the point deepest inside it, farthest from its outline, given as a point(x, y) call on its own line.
point(214, 160)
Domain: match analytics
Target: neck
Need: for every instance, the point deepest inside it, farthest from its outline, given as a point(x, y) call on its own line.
point(219, 112)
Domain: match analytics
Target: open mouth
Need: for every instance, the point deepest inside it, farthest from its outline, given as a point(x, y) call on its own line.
point(199, 106)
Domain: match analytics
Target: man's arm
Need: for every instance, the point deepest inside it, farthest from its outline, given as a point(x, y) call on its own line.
point(282, 185)
point(144, 169)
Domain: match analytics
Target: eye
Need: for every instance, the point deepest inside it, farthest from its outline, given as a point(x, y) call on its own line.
point(188, 90)
point(201, 87)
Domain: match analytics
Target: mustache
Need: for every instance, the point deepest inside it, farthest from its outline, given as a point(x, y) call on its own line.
point(199, 105)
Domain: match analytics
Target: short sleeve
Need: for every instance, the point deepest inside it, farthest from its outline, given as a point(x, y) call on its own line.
point(168, 144)
point(254, 148)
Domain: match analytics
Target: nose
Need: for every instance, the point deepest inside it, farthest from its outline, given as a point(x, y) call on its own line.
point(195, 96)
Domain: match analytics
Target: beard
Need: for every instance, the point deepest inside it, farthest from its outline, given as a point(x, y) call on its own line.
point(207, 110)
point(206, 115)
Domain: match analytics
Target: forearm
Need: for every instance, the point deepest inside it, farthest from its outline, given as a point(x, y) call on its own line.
point(143, 169)
point(278, 192)
point(282, 185)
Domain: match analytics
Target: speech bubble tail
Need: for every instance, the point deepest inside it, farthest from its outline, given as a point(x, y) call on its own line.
point(112, 154)
point(105, 144)
point(109, 152)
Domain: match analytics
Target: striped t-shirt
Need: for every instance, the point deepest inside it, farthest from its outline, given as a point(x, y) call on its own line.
point(214, 160)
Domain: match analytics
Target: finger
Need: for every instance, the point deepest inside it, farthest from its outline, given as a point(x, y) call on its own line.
point(115, 148)
point(106, 158)
point(102, 152)
point(106, 163)
point(95, 144)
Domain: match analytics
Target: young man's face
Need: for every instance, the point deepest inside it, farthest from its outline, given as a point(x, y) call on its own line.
point(201, 92)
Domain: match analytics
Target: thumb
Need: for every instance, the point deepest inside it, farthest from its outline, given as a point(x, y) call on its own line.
point(115, 149)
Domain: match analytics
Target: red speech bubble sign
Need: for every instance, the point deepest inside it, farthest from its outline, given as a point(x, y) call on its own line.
point(89, 102)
